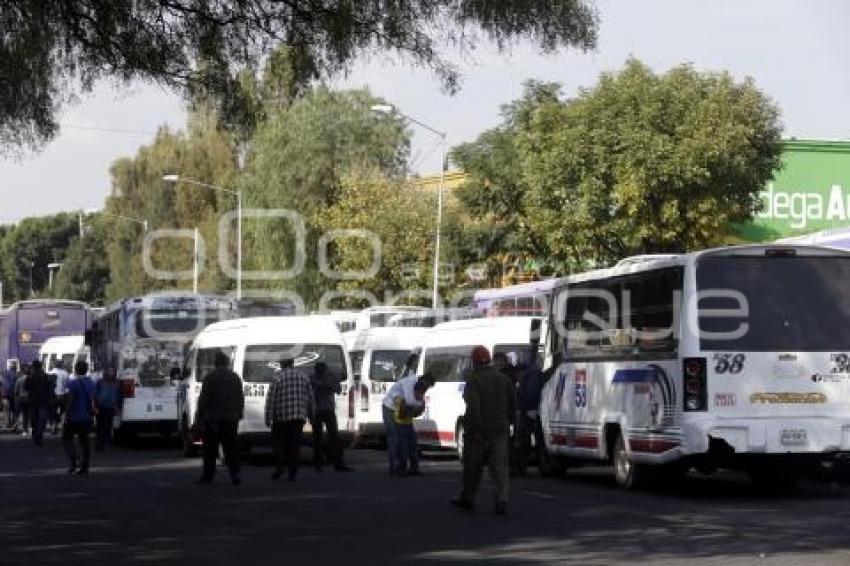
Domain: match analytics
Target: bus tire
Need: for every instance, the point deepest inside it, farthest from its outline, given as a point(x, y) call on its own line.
point(629, 475)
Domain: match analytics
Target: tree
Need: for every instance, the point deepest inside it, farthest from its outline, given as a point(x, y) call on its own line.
point(51, 50)
point(645, 163)
point(85, 272)
point(493, 196)
point(300, 156)
point(400, 216)
point(30, 246)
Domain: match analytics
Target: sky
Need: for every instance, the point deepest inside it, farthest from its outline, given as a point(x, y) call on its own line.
point(796, 52)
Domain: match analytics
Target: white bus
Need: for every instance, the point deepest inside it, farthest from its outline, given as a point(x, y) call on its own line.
point(255, 347)
point(378, 357)
point(736, 357)
point(67, 349)
point(145, 339)
point(446, 354)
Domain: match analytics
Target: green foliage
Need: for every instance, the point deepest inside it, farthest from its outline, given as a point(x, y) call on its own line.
point(51, 50)
point(647, 163)
point(37, 241)
point(301, 154)
point(400, 216)
point(85, 272)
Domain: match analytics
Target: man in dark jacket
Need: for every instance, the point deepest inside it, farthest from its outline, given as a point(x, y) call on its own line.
point(490, 409)
point(38, 387)
point(220, 408)
point(326, 387)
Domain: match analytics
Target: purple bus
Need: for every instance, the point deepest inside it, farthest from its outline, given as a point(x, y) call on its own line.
point(26, 325)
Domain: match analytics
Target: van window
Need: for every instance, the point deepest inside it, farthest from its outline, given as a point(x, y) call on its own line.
point(449, 364)
point(68, 361)
point(262, 360)
point(53, 358)
point(205, 360)
point(518, 355)
point(387, 365)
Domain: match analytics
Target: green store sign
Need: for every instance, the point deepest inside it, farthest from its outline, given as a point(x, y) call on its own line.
point(810, 193)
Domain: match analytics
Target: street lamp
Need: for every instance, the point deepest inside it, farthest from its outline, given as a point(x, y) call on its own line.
point(51, 268)
point(172, 178)
point(142, 221)
point(390, 110)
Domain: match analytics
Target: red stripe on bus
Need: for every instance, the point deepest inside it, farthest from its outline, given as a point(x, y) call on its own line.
point(652, 445)
point(586, 441)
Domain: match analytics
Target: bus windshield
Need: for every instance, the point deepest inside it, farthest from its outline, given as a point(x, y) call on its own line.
point(795, 303)
point(261, 361)
point(151, 323)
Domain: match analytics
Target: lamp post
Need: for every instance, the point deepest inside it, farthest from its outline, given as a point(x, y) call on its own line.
point(172, 178)
point(141, 221)
point(389, 110)
point(51, 269)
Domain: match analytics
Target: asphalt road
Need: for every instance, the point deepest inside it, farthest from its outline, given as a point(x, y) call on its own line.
point(141, 506)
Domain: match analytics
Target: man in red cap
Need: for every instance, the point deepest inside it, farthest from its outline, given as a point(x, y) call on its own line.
point(491, 407)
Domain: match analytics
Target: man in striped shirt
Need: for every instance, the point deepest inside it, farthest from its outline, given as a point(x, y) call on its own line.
point(289, 405)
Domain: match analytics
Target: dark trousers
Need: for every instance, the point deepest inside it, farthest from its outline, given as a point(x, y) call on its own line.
point(11, 416)
point(408, 454)
point(478, 452)
point(286, 439)
point(23, 408)
point(528, 428)
point(38, 421)
point(105, 416)
point(223, 433)
point(392, 439)
point(80, 432)
point(329, 447)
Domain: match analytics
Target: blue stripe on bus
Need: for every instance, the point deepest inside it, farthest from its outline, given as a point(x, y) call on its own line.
point(642, 375)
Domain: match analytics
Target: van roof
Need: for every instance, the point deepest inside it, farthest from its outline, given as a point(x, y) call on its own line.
point(481, 331)
point(390, 338)
point(312, 329)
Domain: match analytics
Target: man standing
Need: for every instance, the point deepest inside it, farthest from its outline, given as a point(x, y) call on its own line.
point(22, 400)
point(62, 379)
point(405, 388)
point(289, 405)
point(490, 409)
point(10, 379)
point(38, 392)
point(326, 386)
point(108, 401)
point(221, 405)
point(79, 418)
point(528, 424)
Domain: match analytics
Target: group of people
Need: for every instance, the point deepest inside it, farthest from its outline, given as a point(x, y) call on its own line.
point(295, 397)
point(79, 404)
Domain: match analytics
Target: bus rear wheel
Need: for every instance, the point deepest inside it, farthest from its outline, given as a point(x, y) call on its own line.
point(629, 475)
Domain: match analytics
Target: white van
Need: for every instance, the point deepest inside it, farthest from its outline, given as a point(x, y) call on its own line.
point(67, 349)
point(255, 347)
point(378, 356)
point(446, 354)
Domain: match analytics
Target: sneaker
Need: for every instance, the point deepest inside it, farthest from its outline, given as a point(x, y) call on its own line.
point(72, 469)
point(277, 473)
point(343, 468)
point(204, 481)
point(83, 472)
point(415, 473)
point(463, 504)
point(501, 508)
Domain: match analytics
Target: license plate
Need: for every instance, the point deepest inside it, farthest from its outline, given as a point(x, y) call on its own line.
point(793, 437)
point(154, 408)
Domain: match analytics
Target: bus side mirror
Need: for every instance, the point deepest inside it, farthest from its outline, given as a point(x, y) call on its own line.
point(87, 338)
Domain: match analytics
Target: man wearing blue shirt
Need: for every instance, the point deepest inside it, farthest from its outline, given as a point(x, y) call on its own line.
point(79, 418)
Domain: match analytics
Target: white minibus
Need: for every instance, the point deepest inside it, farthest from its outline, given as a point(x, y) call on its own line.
point(736, 357)
point(255, 347)
point(67, 349)
point(378, 357)
point(446, 354)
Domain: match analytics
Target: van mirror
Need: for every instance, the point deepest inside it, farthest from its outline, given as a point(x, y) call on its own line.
point(87, 337)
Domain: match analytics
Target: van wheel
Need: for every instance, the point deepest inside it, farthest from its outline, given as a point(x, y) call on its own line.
point(629, 475)
point(459, 438)
point(189, 448)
